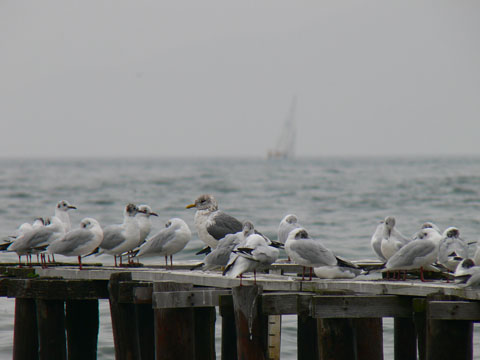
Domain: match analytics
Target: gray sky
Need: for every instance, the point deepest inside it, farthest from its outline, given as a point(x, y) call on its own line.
point(200, 78)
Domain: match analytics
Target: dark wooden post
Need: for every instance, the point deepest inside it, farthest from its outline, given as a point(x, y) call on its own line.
point(251, 324)
point(419, 318)
point(336, 339)
point(449, 339)
point(369, 336)
point(174, 328)
point(82, 328)
point(51, 329)
point(405, 339)
point(205, 333)
point(25, 335)
point(124, 321)
point(307, 338)
point(146, 337)
point(229, 331)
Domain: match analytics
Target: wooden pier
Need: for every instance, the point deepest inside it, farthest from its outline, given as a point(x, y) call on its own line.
point(171, 314)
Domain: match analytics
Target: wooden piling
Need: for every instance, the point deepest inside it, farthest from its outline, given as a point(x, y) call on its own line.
point(229, 331)
point(174, 328)
point(405, 339)
point(274, 336)
point(369, 338)
point(51, 329)
point(124, 321)
point(25, 335)
point(336, 339)
point(146, 330)
point(448, 339)
point(251, 323)
point(82, 324)
point(205, 333)
point(307, 337)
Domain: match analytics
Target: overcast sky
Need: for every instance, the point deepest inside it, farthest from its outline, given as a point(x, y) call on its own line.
point(205, 78)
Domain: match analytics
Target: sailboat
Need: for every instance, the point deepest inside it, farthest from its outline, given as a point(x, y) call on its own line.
point(285, 146)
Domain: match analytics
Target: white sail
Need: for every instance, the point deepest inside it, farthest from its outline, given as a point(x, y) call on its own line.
point(285, 146)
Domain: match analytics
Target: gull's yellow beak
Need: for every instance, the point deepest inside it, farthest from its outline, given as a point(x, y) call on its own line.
point(189, 206)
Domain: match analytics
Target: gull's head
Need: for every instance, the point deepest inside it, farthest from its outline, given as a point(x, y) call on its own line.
point(204, 202)
point(64, 206)
point(88, 223)
point(131, 210)
point(389, 222)
point(145, 210)
point(428, 234)
point(290, 219)
point(298, 234)
point(466, 264)
point(247, 228)
point(451, 232)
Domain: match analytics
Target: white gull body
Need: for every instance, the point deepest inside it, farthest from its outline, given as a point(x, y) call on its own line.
point(392, 240)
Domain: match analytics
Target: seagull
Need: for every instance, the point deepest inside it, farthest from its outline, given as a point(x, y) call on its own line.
point(376, 241)
point(417, 254)
point(255, 253)
point(80, 241)
point(392, 240)
point(221, 255)
point(21, 231)
point(288, 223)
point(143, 219)
point(121, 238)
point(308, 252)
point(39, 238)
point(452, 249)
point(468, 273)
point(36, 240)
point(212, 224)
point(170, 240)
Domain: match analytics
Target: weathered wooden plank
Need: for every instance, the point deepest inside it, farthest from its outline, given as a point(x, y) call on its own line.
point(51, 329)
point(273, 282)
point(355, 306)
point(194, 298)
point(82, 323)
point(251, 324)
point(174, 328)
point(285, 303)
point(56, 289)
point(25, 335)
point(453, 310)
point(124, 321)
point(143, 295)
point(128, 290)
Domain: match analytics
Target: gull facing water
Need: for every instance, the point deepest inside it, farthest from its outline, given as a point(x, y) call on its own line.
point(169, 241)
point(80, 241)
point(211, 223)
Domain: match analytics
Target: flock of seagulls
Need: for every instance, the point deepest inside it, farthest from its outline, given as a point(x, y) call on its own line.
point(237, 247)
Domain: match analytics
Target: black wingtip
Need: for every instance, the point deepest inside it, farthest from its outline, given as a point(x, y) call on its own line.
point(206, 250)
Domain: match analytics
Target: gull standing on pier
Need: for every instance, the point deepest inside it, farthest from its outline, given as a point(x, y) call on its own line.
point(80, 241)
point(417, 254)
point(222, 254)
point(255, 253)
point(212, 224)
point(21, 231)
point(120, 238)
point(392, 239)
point(39, 238)
point(143, 218)
point(169, 241)
point(376, 241)
point(308, 252)
point(288, 223)
point(452, 249)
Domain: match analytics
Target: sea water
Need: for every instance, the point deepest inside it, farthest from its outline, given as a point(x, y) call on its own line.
point(338, 200)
